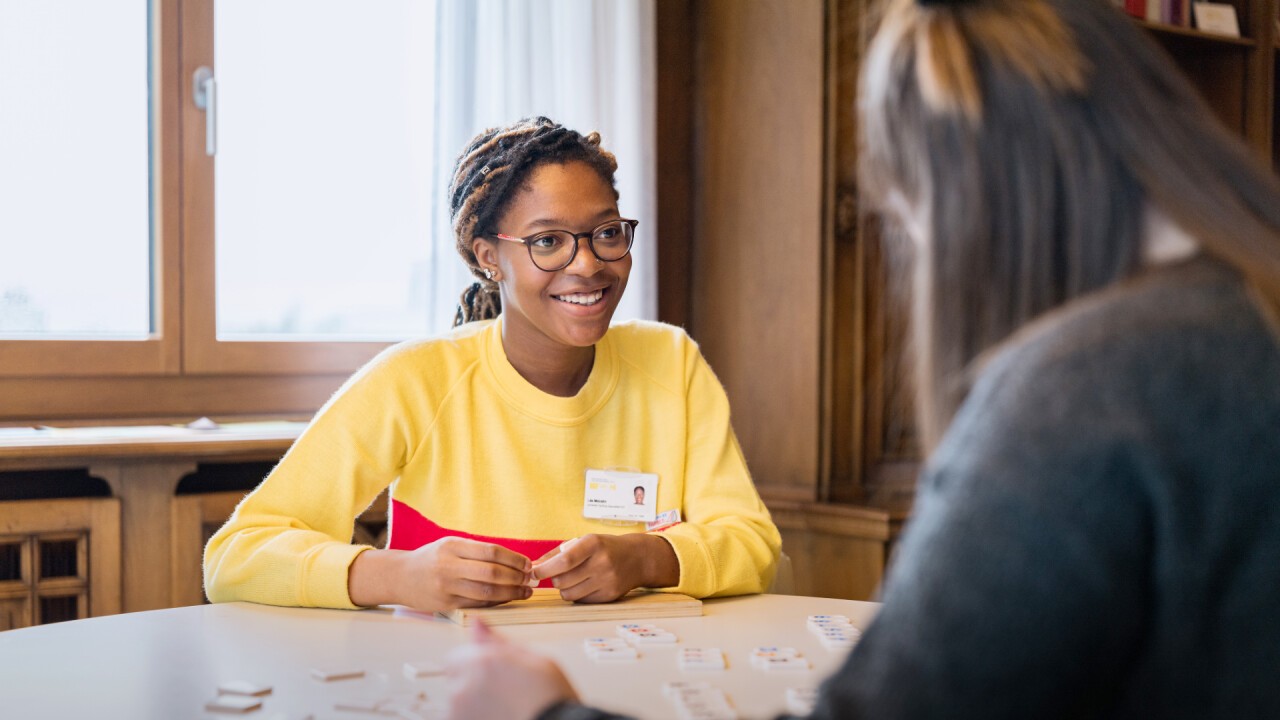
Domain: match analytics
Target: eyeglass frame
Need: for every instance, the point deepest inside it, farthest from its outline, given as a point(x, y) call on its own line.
point(526, 241)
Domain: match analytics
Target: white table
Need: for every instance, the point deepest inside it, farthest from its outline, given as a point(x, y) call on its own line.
point(168, 663)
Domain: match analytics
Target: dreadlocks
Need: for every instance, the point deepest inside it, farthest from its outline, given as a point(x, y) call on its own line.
point(488, 173)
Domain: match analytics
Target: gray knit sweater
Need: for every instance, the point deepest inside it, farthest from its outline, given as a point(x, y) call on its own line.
point(1098, 534)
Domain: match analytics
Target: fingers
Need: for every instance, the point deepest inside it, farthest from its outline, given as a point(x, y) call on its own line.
point(564, 558)
point(489, 573)
point(470, 573)
point(556, 566)
point(470, 593)
point(595, 569)
point(575, 589)
point(490, 553)
point(586, 587)
point(594, 580)
point(489, 564)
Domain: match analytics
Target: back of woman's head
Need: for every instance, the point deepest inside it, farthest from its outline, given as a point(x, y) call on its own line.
point(490, 171)
point(1027, 140)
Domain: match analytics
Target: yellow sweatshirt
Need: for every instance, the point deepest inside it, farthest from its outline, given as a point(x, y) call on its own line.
point(471, 449)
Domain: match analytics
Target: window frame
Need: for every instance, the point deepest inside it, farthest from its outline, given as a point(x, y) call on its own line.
point(159, 354)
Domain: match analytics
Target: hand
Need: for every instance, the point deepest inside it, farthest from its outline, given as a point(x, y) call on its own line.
point(495, 678)
point(603, 568)
point(444, 575)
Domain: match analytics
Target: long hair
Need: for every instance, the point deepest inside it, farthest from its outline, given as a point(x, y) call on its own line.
point(1030, 137)
point(486, 176)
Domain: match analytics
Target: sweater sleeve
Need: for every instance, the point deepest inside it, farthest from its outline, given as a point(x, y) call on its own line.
point(1020, 585)
point(728, 545)
point(289, 541)
point(566, 710)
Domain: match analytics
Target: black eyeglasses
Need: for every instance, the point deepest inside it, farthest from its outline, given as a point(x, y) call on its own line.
point(552, 250)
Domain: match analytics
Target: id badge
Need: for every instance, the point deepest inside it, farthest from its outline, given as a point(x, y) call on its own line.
point(617, 495)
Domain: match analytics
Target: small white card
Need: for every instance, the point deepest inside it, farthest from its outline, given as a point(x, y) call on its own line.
point(665, 519)
point(1217, 18)
point(616, 495)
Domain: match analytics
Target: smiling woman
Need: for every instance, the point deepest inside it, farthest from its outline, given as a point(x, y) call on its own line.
point(554, 318)
point(487, 434)
point(534, 179)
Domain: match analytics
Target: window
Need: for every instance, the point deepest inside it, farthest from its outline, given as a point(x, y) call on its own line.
point(77, 149)
point(65, 134)
point(323, 169)
point(235, 203)
point(312, 169)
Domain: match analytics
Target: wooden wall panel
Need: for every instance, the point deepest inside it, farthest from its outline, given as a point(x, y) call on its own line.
point(756, 298)
point(835, 551)
point(674, 145)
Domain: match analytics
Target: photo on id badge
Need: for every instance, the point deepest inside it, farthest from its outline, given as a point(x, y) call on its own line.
point(619, 495)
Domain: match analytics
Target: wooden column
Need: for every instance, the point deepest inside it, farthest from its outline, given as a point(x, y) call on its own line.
point(145, 490)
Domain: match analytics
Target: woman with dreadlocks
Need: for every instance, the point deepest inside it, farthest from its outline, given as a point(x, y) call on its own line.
point(499, 439)
point(1096, 281)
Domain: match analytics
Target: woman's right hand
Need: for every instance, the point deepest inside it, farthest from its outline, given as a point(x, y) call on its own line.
point(444, 575)
point(493, 677)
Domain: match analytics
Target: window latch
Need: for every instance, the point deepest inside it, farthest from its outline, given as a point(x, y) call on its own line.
point(204, 91)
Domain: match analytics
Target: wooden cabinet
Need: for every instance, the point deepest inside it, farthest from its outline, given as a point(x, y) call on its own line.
point(142, 547)
point(118, 553)
point(59, 560)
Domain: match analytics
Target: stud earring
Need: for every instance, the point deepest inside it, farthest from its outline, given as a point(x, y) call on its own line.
point(488, 274)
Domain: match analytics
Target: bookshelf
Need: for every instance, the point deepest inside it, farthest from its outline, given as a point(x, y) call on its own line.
point(872, 452)
point(1236, 75)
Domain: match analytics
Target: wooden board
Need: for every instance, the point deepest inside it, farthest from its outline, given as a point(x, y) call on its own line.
point(546, 606)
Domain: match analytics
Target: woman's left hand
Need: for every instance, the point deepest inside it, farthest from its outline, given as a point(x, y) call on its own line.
point(603, 568)
point(493, 677)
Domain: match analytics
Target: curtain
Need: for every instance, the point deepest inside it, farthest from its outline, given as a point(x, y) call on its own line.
point(587, 64)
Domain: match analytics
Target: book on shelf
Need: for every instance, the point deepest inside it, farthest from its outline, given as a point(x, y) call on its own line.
point(1165, 12)
point(1216, 18)
point(1136, 8)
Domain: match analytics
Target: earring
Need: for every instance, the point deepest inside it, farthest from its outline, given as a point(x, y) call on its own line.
point(488, 274)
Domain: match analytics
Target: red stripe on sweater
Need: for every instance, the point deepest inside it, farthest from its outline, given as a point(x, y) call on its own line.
point(410, 530)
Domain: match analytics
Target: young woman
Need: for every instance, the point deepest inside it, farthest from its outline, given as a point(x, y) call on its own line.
point(1096, 276)
point(501, 440)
